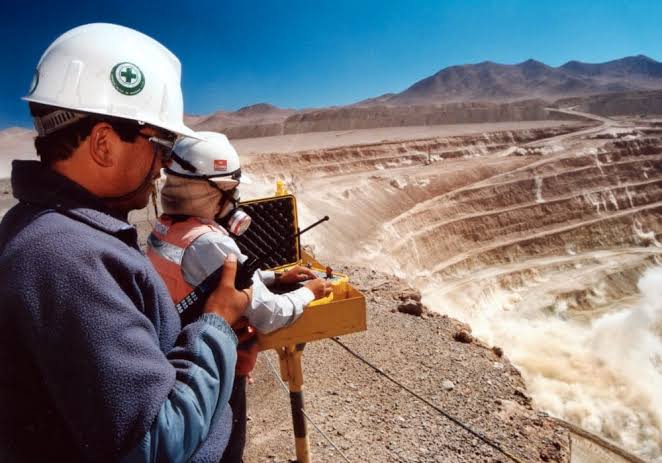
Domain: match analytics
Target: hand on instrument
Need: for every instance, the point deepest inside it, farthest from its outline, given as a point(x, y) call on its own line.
point(296, 275)
point(320, 288)
point(247, 349)
point(226, 301)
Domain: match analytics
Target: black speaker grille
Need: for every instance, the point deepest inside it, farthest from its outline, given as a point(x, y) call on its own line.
point(272, 227)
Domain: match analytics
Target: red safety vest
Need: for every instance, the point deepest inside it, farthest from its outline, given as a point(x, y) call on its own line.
point(173, 239)
point(166, 250)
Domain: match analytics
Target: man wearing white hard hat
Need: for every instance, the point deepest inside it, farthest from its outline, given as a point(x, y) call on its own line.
point(191, 239)
point(95, 363)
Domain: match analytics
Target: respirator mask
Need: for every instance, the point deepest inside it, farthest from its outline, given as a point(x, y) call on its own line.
point(233, 218)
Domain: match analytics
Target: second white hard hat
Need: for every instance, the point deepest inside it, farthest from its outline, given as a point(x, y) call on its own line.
point(211, 157)
point(111, 70)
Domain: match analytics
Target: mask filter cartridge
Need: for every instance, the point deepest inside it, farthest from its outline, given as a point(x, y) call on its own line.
point(237, 222)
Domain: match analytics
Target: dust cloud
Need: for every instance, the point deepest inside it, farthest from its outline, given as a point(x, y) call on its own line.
point(603, 374)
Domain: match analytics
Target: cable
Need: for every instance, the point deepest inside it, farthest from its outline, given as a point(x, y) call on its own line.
point(485, 439)
point(282, 383)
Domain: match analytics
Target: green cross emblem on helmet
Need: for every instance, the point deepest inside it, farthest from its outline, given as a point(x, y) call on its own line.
point(127, 78)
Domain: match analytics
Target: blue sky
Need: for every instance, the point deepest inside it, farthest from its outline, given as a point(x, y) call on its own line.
point(302, 54)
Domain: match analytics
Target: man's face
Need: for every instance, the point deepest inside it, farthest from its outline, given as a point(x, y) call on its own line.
point(138, 167)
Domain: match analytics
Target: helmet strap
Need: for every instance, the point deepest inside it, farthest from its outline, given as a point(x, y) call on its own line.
point(227, 197)
point(154, 203)
point(183, 162)
point(55, 121)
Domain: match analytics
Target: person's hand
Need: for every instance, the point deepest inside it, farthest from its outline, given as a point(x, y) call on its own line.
point(296, 275)
point(226, 301)
point(319, 287)
point(247, 349)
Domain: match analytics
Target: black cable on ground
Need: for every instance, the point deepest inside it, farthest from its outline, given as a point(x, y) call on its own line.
point(282, 383)
point(487, 440)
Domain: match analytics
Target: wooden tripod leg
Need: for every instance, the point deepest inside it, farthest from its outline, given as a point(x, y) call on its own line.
point(291, 371)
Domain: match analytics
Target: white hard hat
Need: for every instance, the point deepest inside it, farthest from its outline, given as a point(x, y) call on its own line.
point(110, 70)
point(210, 157)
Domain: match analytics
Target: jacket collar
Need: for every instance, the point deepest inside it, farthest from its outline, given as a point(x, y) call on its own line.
point(34, 183)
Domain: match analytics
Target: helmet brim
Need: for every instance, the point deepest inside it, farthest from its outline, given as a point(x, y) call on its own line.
point(179, 129)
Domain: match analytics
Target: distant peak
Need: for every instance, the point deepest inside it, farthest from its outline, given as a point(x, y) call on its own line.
point(531, 62)
point(627, 59)
point(258, 108)
point(644, 58)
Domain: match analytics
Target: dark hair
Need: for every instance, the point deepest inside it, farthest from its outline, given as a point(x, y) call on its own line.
point(60, 145)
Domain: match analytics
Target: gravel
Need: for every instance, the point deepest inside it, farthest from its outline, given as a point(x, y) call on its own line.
point(372, 420)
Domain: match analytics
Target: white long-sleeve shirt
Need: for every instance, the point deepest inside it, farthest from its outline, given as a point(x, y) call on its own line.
point(267, 311)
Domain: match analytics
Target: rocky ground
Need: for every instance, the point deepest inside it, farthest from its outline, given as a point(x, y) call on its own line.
point(373, 420)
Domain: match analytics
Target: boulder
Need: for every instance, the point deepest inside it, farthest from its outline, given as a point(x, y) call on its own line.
point(463, 336)
point(448, 385)
point(412, 307)
point(412, 294)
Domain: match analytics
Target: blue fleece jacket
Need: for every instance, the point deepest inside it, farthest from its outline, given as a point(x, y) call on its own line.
point(95, 364)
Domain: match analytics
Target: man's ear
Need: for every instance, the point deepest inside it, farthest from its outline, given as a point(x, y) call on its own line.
point(103, 144)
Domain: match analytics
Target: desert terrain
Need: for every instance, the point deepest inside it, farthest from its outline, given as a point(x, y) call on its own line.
point(523, 205)
point(535, 234)
point(536, 237)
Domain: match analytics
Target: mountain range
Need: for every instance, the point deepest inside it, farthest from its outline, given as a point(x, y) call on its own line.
point(488, 81)
point(470, 93)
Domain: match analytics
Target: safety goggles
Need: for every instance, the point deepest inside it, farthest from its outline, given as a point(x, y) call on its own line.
point(223, 183)
point(162, 146)
point(226, 182)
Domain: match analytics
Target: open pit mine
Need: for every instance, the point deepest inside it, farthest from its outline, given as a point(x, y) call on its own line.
point(543, 238)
